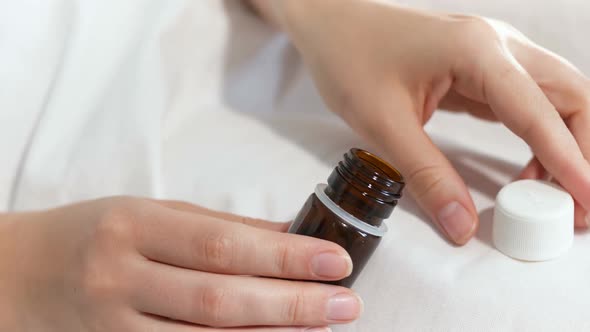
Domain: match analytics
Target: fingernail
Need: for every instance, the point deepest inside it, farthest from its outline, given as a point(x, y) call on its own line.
point(456, 221)
point(344, 307)
point(318, 329)
point(331, 265)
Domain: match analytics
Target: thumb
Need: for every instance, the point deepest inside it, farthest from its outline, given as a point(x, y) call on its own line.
point(430, 177)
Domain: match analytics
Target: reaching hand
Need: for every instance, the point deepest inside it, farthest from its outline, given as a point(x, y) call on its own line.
point(385, 69)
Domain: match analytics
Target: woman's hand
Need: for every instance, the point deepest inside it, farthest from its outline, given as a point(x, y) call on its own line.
point(385, 69)
point(127, 264)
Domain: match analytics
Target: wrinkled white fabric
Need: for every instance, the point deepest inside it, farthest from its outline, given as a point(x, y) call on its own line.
point(198, 100)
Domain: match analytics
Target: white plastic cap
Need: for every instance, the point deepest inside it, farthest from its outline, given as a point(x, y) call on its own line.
point(533, 220)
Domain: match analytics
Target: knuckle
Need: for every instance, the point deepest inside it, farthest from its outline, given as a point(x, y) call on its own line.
point(294, 310)
point(529, 128)
point(505, 70)
point(282, 253)
point(212, 303)
point(97, 281)
point(426, 179)
point(473, 32)
point(101, 272)
point(245, 220)
point(116, 224)
point(478, 27)
point(220, 250)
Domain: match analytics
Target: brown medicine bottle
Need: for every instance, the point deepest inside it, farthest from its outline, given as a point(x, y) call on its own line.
point(361, 192)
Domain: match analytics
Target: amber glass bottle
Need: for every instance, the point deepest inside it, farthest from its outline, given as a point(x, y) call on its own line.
point(361, 192)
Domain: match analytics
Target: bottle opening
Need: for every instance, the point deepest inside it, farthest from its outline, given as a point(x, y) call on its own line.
point(371, 175)
point(365, 186)
point(389, 172)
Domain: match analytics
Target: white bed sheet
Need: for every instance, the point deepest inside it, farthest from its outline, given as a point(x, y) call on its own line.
point(197, 100)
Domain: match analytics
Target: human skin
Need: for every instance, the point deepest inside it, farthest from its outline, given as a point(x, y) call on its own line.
point(136, 264)
point(385, 69)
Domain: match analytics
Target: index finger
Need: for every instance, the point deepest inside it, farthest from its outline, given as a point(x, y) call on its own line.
point(201, 242)
point(522, 106)
point(189, 207)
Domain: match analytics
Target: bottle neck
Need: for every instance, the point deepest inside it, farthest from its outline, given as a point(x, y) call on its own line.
point(365, 186)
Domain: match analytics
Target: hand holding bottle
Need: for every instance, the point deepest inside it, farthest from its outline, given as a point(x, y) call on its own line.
point(129, 264)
